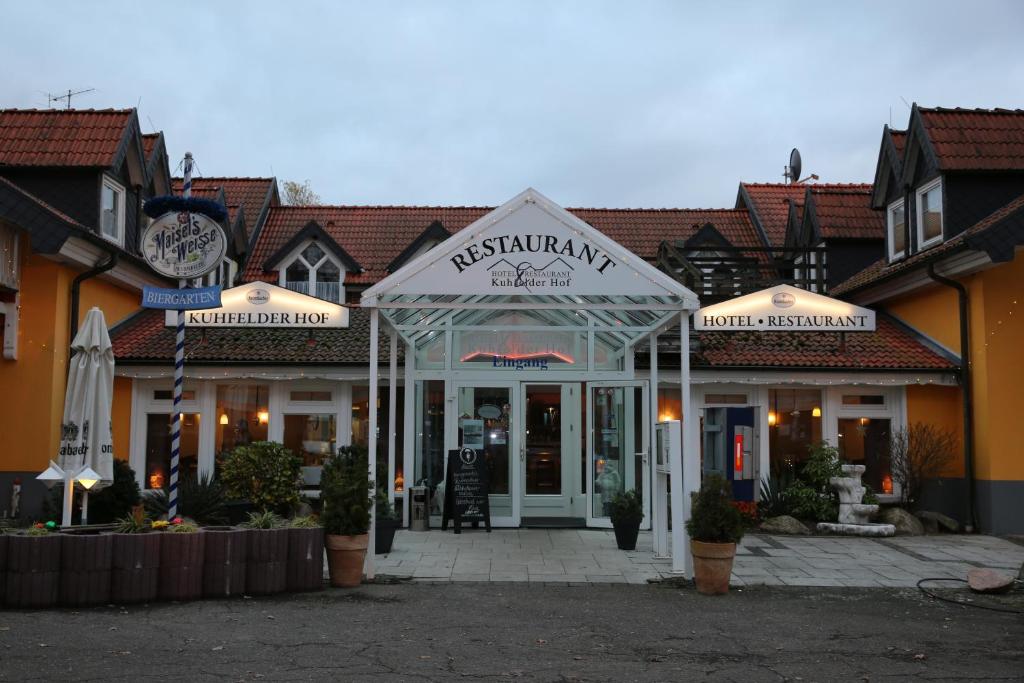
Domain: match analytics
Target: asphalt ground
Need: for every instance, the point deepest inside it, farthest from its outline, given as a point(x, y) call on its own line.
point(535, 632)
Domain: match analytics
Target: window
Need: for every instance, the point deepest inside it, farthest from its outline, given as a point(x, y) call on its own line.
point(313, 272)
point(311, 436)
point(863, 399)
point(222, 275)
point(168, 395)
point(306, 396)
point(794, 424)
point(112, 211)
point(897, 224)
point(929, 214)
point(865, 441)
point(158, 449)
point(242, 415)
point(733, 399)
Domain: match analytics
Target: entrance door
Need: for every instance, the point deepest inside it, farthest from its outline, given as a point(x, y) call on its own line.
point(550, 455)
point(618, 444)
point(486, 422)
point(731, 448)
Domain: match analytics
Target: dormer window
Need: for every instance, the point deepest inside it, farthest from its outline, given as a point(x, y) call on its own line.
point(929, 214)
point(896, 221)
point(314, 272)
point(112, 212)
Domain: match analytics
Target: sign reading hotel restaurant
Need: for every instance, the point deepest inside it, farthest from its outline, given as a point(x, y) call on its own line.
point(185, 299)
point(183, 245)
point(260, 304)
point(785, 309)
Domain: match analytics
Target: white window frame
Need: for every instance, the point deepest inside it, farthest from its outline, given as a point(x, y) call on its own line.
point(312, 269)
point(217, 276)
point(890, 229)
point(894, 410)
point(118, 190)
point(921, 191)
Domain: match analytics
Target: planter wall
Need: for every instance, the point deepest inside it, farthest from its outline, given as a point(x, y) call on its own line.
point(85, 561)
point(305, 559)
point(224, 561)
point(345, 558)
point(3, 567)
point(181, 565)
point(384, 535)
point(33, 570)
point(266, 566)
point(135, 568)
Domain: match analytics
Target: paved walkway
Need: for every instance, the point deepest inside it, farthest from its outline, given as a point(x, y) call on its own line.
point(577, 556)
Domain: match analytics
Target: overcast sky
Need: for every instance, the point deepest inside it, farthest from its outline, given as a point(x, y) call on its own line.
point(619, 104)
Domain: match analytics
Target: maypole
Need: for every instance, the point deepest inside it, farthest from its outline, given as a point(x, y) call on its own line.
point(179, 369)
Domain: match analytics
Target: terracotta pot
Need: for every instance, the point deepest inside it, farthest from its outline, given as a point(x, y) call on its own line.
point(181, 565)
point(33, 570)
point(266, 564)
point(85, 561)
point(345, 558)
point(224, 561)
point(712, 566)
point(384, 535)
point(306, 559)
point(135, 568)
point(626, 532)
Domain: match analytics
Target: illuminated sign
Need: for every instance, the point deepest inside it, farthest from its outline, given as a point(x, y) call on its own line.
point(259, 304)
point(785, 309)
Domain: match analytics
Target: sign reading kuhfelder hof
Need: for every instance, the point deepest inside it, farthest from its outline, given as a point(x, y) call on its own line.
point(184, 245)
point(465, 490)
point(785, 309)
point(261, 304)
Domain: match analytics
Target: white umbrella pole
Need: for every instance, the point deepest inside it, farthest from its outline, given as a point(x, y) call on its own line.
point(179, 371)
point(85, 508)
point(69, 489)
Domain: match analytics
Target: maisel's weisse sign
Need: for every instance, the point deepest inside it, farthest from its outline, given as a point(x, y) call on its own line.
point(785, 309)
point(261, 304)
point(183, 245)
point(465, 490)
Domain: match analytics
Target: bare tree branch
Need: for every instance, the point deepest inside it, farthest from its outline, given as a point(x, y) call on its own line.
point(916, 454)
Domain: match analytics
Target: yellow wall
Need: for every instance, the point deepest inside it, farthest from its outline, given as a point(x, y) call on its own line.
point(34, 384)
point(997, 372)
point(941, 407)
point(121, 417)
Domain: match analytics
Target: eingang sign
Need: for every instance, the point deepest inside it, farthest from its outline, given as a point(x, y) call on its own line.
point(259, 304)
point(184, 245)
point(785, 309)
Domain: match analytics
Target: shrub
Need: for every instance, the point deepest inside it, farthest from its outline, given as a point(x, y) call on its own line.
point(263, 520)
point(200, 498)
point(748, 510)
point(135, 523)
point(304, 522)
point(804, 502)
point(771, 503)
point(627, 507)
point(714, 518)
point(346, 493)
point(916, 454)
point(264, 473)
point(116, 500)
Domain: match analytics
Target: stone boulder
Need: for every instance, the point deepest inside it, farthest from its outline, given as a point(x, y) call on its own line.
point(941, 521)
point(989, 581)
point(906, 524)
point(784, 524)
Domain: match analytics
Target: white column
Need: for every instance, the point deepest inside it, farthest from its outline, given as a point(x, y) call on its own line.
point(410, 431)
point(685, 469)
point(372, 446)
point(392, 412)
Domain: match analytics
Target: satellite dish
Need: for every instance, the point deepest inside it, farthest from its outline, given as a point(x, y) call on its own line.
point(795, 165)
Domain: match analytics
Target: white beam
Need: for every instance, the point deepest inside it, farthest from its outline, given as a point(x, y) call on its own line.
point(409, 433)
point(392, 412)
point(372, 445)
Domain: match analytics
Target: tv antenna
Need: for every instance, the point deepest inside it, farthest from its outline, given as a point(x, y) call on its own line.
point(67, 97)
point(792, 171)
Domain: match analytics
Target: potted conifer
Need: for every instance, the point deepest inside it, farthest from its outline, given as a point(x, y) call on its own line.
point(346, 494)
point(715, 527)
point(627, 512)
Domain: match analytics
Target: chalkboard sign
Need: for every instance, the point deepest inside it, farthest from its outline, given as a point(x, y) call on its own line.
point(465, 490)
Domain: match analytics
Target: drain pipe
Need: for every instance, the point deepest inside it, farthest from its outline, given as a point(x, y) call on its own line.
point(76, 286)
point(965, 378)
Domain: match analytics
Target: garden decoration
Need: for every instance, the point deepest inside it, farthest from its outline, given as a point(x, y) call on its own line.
point(184, 241)
point(854, 514)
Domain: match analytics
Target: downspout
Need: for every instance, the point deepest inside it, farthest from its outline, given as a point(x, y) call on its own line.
point(968, 398)
point(76, 286)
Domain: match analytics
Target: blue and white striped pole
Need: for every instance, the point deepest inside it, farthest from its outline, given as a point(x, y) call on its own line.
point(179, 371)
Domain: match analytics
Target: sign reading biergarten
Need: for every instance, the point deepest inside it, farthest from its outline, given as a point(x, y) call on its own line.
point(183, 245)
point(785, 309)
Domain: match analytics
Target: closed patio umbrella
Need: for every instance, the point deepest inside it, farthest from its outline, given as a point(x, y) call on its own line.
point(86, 449)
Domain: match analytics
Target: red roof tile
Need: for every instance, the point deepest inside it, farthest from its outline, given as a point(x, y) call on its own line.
point(249, 193)
point(976, 139)
point(899, 140)
point(889, 347)
point(375, 235)
point(771, 203)
point(882, 269)
point(59, 137)
point(844, 212)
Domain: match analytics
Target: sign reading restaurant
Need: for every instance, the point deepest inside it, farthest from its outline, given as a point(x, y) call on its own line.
point(260, 304)
point(785, 309)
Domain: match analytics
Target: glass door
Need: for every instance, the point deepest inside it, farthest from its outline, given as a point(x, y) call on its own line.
point(485, 421)
point(618, 429)
point(550, 454)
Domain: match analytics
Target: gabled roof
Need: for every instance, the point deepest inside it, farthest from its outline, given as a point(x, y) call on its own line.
point(312, 231)
point(149, 143)
point(435, 232)
point(62, 137)
point(708, 235)
point(998, 234)
point(376, 235)
point(251, 193)
point(770, 205)
point(975, 139)
point(889, 165)
point(842, 211)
